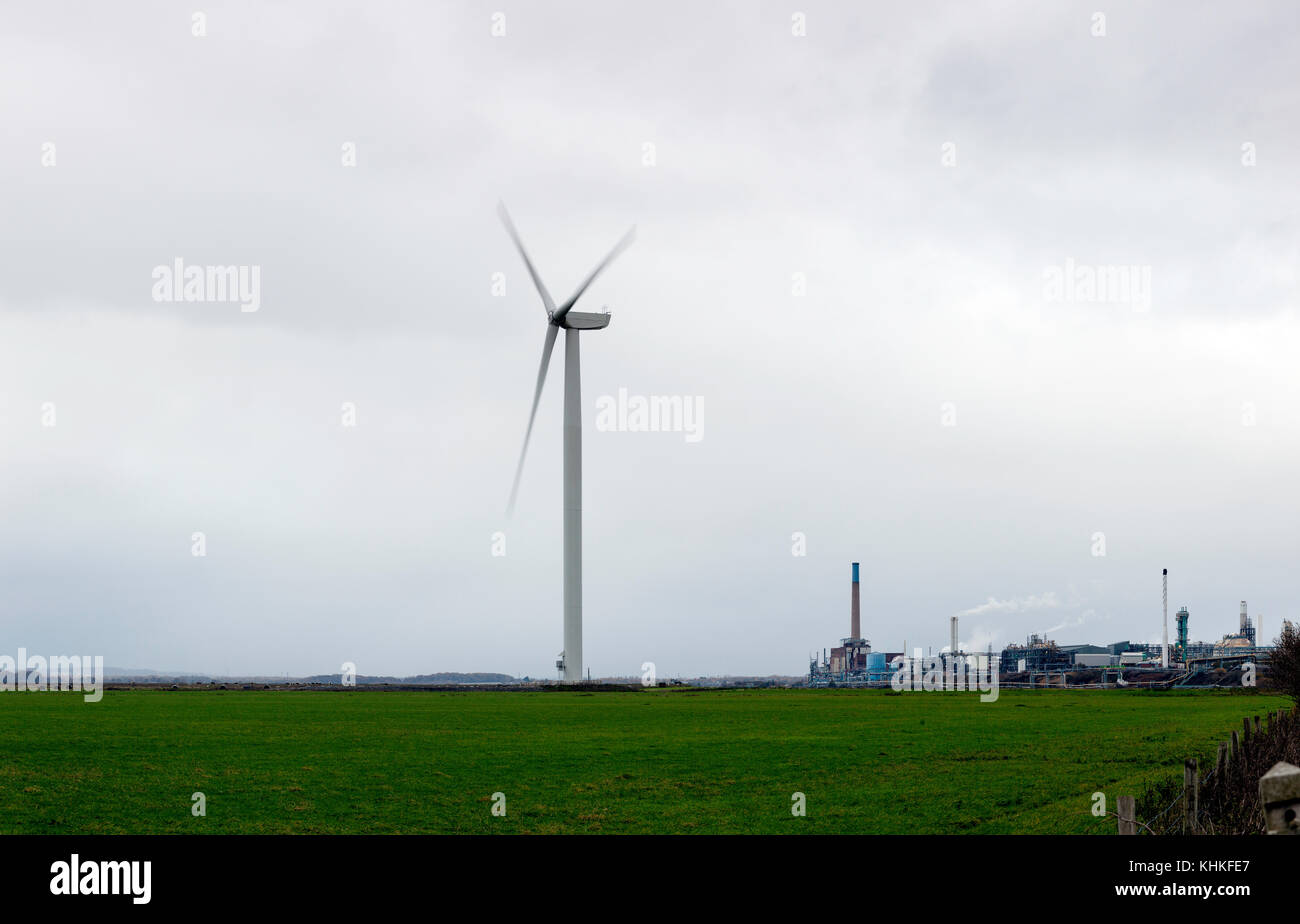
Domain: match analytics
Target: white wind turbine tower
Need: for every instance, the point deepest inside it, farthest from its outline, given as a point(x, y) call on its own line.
point(571, 322)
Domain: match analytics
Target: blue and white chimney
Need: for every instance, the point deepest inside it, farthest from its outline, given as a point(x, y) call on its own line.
point(855, 629)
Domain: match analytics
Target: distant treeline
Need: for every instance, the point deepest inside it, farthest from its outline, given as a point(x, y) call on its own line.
point(419, 679)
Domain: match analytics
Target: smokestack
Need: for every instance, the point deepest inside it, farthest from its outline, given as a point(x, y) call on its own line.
point(953, 647)
point(1164, 599)
point(1244, 621)
point(855, 629)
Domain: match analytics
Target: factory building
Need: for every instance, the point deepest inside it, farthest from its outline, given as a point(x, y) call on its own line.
point(852, 662)
point(1042, 654)
point(1089, 655)
point(1245, 637)
point(1036, 654)
point(1240, 644)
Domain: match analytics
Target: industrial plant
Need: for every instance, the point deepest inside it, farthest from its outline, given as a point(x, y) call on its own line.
point(1040, 661)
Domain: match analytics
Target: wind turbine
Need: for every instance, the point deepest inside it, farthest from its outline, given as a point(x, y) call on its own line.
point(571, 322)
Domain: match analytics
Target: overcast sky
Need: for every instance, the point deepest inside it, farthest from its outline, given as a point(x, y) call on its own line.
point(929, 405)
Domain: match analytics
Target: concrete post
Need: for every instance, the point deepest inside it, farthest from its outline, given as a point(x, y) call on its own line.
point(1279, 791)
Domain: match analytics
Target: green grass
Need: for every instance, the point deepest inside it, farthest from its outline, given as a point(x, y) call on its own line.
point(650, 761)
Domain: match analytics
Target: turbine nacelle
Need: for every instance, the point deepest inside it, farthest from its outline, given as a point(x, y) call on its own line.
point(583, 320)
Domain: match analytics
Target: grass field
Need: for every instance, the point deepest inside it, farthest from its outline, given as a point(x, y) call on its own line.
point(649, 761)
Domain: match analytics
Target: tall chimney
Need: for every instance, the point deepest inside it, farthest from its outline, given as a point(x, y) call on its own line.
point(953, 647)
point(1164, 599)
point(1244, 621)
point(856, 626)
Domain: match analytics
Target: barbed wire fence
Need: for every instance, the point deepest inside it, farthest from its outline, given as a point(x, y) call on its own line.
point(1224, 800)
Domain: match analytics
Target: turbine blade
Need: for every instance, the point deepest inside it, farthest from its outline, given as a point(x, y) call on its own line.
point(551, 331)
point(621, 246)
point(514, 236)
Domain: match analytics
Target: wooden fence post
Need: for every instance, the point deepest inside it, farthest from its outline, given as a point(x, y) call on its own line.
point(1256, 726)
point(1191, 794)
point(1245, 735)
point(1236, 748)
point(1127, 809)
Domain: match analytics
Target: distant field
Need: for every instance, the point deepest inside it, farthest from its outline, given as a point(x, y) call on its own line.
point(650, 761)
